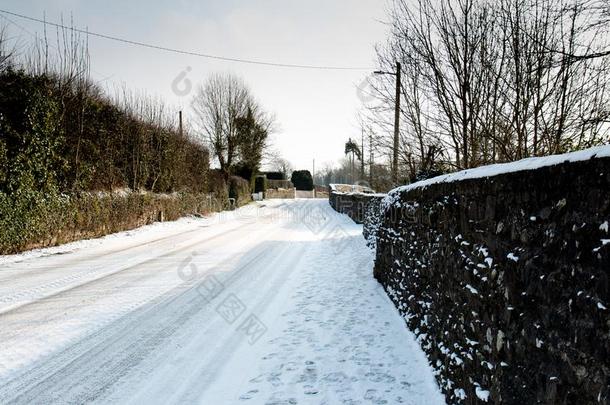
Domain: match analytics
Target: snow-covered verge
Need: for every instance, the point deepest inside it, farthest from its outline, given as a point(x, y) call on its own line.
point(142, 235)
point(504, 280)
point(242, 307)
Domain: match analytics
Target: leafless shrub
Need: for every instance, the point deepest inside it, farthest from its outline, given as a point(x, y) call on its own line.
point(7, 50)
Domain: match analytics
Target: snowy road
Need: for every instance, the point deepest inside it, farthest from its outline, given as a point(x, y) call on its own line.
point(271, 304)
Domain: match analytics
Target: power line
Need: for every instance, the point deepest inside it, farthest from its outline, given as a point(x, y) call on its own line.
point(34, 36)
point(183, 52)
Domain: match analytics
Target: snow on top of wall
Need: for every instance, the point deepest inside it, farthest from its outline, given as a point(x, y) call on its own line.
point(501, 168)
point(352, 189)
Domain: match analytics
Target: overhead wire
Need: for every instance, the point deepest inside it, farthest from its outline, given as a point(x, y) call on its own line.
point(180, 51)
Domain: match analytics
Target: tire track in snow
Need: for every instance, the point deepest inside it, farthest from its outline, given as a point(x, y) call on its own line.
point(40, 385)
point(330, 338)
point(88, 258)
point(198, 383)
point(63, 285)
point(167, 300)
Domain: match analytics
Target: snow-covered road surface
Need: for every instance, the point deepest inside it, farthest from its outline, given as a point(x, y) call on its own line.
point(271, 304)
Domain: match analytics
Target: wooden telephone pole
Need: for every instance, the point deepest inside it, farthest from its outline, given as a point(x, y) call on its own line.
point(396, 120)
point(396, 126)
point(180, 122)
point(362, 156)
point(371, 158)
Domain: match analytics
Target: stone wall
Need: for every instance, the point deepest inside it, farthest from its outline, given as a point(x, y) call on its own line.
point(505, 282)
point(279, 184)
point(279, 193)
point(373, 214)
point(353, 205)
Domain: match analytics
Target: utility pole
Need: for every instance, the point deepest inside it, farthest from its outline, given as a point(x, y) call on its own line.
point(362, 156)
point(352, 163)
point(396, 126)
point(396, 120)
point(313, 177)
point(180, 122)
point(371, 157)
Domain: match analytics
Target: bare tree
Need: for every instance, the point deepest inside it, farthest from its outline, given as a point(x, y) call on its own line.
point(217, 104)
point(275, 162)
point(7, 51)
point(488, 81)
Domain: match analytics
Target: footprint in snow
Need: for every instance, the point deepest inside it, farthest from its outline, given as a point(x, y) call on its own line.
point(274, 379)
point(248, 395)
point(309, 390)
point(371, 395)
point(337, 377)
point(380, 377)
point(258, 379)
point(289, 401)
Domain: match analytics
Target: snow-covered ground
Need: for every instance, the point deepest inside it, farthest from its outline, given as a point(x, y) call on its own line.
point(271, 304)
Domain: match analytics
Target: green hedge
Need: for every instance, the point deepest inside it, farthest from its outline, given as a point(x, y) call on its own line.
point(239, 189)
point(302, 180)
point(57, 142)
point(73, 138)
point(31, 220)
point(260, 184)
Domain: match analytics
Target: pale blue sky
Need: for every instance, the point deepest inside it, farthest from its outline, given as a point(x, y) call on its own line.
point(315, 109)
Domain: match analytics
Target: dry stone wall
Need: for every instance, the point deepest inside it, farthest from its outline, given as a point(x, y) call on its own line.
point(353, 204)
point(505, 281)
